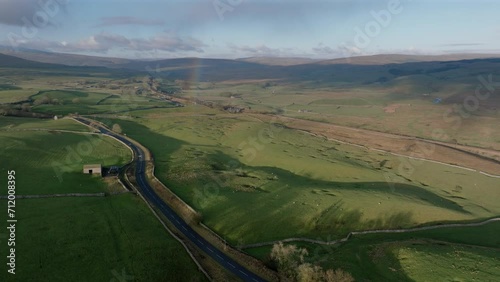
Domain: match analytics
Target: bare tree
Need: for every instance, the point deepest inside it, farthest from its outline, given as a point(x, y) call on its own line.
point(288, 258)
point(338, 276)
point(116, 128)
point(291, 266)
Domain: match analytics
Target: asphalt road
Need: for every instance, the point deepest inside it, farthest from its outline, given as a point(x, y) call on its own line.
point(148, 193)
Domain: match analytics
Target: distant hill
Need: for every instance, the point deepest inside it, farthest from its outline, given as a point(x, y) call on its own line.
point(7, 61)
point(401, 59)
point(278, 61)
point(203, 69)
point(83, 60)
point(62, 58)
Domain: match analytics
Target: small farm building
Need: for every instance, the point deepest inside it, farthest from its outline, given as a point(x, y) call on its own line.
point(92, 169)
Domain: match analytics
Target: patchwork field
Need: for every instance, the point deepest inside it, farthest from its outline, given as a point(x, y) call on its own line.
point(71, 102)
point(226, 165)
point(285, 166)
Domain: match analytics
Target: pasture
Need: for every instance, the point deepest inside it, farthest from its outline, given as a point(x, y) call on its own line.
point(69, 102)
point(453, 254)
point(295, 184)
point(395, 106)
point(93, 239)
point(47, 156)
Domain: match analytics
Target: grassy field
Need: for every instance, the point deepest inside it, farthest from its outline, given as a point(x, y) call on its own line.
point(12, 96)
point(226, 165)
point(452, 254)
point(85, 103)
point(94, 239)
point(114, 238)
point(395, 106)
point(56, 158)
point(65, 97)
point(253, 181)
point(18, 124)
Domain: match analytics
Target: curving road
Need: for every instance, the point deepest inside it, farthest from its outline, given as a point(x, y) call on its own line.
point(148, 193)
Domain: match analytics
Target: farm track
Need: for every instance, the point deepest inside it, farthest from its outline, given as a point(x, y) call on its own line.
point(354, 233)
point(484, 161)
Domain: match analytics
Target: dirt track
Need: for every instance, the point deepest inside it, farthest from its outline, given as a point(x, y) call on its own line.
point(480, 159)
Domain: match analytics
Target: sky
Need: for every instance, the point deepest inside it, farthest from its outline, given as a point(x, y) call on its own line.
point(320, 29)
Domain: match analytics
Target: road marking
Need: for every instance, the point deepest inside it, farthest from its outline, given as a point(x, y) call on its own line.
point(243, 273)
point(183, 227)
point(200, 241)
point(255, 280)
point(231, 265)
point(219, 256)
point(210, 250)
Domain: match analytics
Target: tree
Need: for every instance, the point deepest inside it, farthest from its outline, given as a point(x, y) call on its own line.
point(288, 258)
point(307, 272)
point(117, 128)
point(338, 276)
point(42, 101)
point(26, 107)
point(291, 266)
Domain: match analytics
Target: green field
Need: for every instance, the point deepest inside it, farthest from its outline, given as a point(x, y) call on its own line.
point(56, 157)
point(93, 239)
point(452, 254)
point(20, 124)
point(85, 103)
point(327, 188)
point(65, 97)
point(251, 181)
point(80, 239)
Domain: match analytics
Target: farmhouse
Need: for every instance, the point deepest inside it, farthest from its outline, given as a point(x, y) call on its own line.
point(92, 169)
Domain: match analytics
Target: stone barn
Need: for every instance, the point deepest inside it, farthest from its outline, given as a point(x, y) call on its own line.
point(92, 169)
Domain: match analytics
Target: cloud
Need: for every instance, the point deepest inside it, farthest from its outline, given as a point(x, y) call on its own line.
point(127, 20)
point(105, 42)
point(462, 44)
point(340, 51)
point(30, 12)
point(260, 51)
